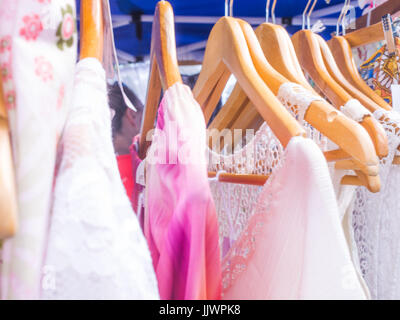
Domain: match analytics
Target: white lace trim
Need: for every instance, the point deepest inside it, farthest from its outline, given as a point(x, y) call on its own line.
point(355, 110)
point(297, 100)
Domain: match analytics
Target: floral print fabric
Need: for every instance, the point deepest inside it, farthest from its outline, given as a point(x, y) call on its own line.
point(37, 75)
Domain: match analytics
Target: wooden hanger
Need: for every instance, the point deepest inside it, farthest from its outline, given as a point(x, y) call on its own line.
point(164, 68)
point(343, 56)
point(373, 33)
point(340, 46)
point(227, 53)
point(375, 129)
point(344, 62)
point(340, 129)
point(92, 29)
point(274, 39)
point(309, 53)
point(8, 194)
point(337, 75)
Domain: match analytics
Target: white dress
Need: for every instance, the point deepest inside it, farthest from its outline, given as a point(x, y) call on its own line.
point(376, 220)
point(38, 46)
point(283, 240)
point(96, 249)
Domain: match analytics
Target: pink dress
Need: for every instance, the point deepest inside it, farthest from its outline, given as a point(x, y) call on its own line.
point(284, 240)
point(180, 221)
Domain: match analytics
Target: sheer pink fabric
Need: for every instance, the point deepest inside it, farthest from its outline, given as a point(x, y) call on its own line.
point(293, 246)
point(180, 221)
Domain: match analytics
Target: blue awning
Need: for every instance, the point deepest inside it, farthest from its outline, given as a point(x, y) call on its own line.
point(133, 37)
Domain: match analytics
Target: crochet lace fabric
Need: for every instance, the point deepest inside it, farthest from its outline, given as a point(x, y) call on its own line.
point(376, 220)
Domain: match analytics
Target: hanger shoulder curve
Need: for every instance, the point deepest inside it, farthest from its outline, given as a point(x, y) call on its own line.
point(321, 115)
point(310, 57)
point(164, 69)
point(227, 51)
point(337, 75)
point(163, 45)
point(278, 50)
point(343, 55)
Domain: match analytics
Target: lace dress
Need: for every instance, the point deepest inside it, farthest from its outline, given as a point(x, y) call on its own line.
point(283, 240)
point(373, 219)
point(180, 222)
point(376, 220)
point(96, 249)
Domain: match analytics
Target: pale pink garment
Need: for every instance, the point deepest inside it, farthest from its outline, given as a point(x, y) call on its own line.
point(180, 222)
point(293, 246)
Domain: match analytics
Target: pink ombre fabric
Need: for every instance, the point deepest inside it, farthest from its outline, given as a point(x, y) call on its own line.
point(180, 221)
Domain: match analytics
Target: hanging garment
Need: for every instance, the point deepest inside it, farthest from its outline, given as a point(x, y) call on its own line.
point(381, 70)
point(180, 222)
point(38, 46)
point(126, 173)
point(283, 240)
point(376, 220)
point(96, 249)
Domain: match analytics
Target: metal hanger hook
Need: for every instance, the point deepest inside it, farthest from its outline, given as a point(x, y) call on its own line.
point(273, 12)
point(346, 10)
point(340, 18)
point(309, 14)
point(267, 11)
point(231, 8)
point(304, 14)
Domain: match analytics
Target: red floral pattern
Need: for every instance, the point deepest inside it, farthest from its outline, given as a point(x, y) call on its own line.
point(5, 44)
point(60, 98)
point(10, 99)
point(44, 69)
point(32, 27)
point(6, 71)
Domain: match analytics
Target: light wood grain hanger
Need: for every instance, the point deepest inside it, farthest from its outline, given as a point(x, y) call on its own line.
point(164, 68)
point(227, 53)
point(312, 53)
point(282, 62)
point(337, 75)
point(336, 126)
point(8, 193)
point(375, 129)
point(309, 53)
point(342, 54)
point(92, 29)
point(367, 35)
